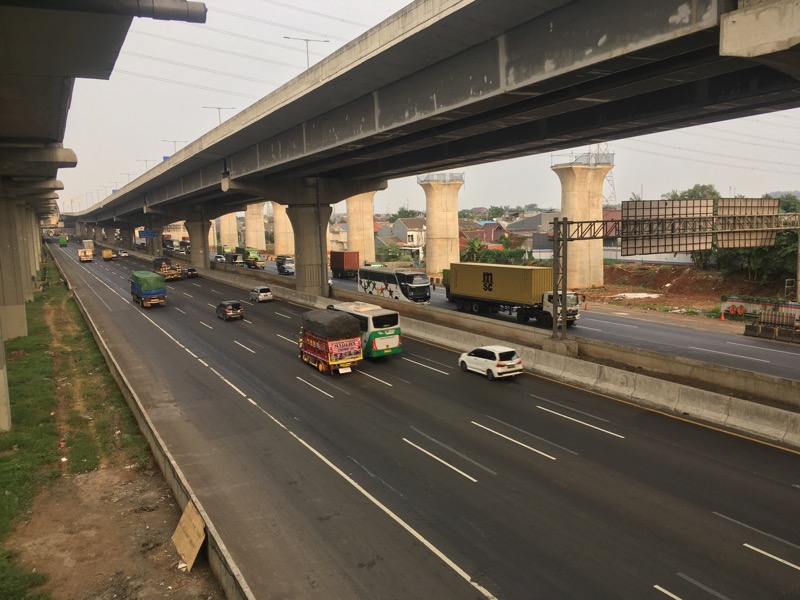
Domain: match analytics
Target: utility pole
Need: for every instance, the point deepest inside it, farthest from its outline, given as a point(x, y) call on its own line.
point(306, 40)
point(219, 111)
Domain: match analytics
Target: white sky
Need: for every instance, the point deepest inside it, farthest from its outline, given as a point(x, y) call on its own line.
point(168, 72)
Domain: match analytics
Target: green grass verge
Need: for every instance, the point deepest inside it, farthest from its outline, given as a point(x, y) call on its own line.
point(29, 453)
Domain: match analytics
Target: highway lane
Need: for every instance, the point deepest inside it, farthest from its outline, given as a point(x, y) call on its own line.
point(620, 516)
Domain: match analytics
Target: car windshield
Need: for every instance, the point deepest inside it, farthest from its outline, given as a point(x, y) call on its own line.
point(508, 355)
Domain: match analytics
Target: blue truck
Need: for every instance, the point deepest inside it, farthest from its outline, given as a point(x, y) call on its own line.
point(148, 288)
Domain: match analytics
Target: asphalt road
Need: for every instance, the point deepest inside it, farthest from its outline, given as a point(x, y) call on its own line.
point(410, 479)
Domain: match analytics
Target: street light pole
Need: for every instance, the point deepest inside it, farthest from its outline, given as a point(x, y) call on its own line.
point(306, 40)
point(175, 144)
point(219, 111)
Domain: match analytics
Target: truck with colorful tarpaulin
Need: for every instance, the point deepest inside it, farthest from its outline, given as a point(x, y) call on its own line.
point(330, 340)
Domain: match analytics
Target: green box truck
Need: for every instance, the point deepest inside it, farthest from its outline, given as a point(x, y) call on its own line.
point(148, 288)
point(526, 291)
point(251, 257)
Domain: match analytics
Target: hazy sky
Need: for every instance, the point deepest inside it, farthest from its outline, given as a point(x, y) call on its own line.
point(169, 72)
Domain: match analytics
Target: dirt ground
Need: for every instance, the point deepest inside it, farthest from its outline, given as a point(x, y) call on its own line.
point(106, 534)
point(679, 288)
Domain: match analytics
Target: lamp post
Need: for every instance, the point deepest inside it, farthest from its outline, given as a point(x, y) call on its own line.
point(219, 111)
point(306, 40)
point(146, 162)
point(175, 144)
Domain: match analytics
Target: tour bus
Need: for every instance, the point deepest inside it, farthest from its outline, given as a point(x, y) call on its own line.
point(399, 284)
point(380, 327)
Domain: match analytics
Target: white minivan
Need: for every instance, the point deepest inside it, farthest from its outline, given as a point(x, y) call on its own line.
point(261, 294)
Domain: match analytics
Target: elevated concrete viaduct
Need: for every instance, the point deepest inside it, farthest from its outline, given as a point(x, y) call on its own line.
point(439, 85)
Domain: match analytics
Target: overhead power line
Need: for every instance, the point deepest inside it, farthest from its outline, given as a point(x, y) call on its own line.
point(315, 13)
point(251, 18)
point(196, 68)
point(191, 85)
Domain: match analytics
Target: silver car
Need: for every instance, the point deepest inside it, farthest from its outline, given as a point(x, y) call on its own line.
point(261, 294)
point(492, 361)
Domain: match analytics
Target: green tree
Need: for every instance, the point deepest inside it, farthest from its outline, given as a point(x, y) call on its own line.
point(497, 211)
point(404, 213)
point(789, 203)
point(466, 214)
point(471, 252)
point(505, 239)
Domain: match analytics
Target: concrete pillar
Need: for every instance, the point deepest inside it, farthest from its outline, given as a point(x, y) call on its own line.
point(98, 233)
point(228, 231)
point(198, 230)
point(254, 236)
point(361, 226)
point(284, 232)
point(582, 200)
point(126, 231)
point(212, 236)
point(441, 222)
point(311, 262)
point(5, 397)
point(13, 273)
point(34, 235)
point(25, 249)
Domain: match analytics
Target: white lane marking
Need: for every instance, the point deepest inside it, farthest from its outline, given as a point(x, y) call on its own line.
point(444, 462)
point(454, 451)
point(245, 347)
point(727, 354)
point(426, 366)
point(772, 556)
point(435, 362)
point(705, 588)
point(581, 422)
point(513, 440)
point(211, 305)
point(202, 362)
point(192, 354)
point(414, 533)
point(769, 535)
point(751, 347)
point(283, 337)
point(216, 292)
point(179, 310)
point(670, 594)
point(584, 328)
point(313, 386)
point(185, 294)
point(609, 322)
point(568, 408)
point(246, 321)
point(206, 325)
point(375, 378)
point(283, 315)
point(246, 302)
point(529, 434)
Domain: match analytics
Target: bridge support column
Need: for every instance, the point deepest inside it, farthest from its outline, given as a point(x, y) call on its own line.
point(228, 231)
point(126, 232)
point(254, 226)
point(311, 263)
point(15, 280)
point(441, 209)
point(5, 397)
point(361, 226)
point(582, 200)
point(198, 232)
point(282, 230)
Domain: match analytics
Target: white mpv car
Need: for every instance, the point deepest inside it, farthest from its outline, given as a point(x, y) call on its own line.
point(261, 294)
point(492, 361)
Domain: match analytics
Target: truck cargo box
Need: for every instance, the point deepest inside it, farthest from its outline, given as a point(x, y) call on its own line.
point(509, 284)
point(344, 263)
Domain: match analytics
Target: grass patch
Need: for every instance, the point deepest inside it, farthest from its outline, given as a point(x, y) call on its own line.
point(64, 404)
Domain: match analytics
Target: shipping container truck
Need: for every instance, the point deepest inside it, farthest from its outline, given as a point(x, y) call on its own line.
point(164, 267)
point(251, 257)
point(85, 255)
point(108, 254)
point(526, 291)
point(344, 264)
point(330, 340)
point(148, 289)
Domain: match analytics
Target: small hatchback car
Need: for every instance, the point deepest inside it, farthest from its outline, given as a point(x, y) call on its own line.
point(230, 309)
point(261, 294)
point(492, 361)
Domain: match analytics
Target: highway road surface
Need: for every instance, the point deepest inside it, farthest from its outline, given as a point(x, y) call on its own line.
point(410, 479)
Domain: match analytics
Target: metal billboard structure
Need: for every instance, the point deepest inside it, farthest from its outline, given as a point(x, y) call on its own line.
point(661, 226)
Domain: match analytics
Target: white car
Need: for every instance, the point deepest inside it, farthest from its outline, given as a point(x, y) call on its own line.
point(492, 361)
point(261, 294)
point(122, 253)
